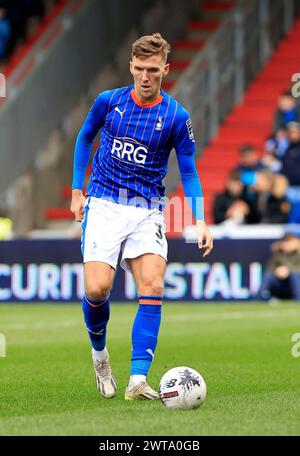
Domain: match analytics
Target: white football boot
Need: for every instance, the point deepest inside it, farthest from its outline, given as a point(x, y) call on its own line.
point(106, 382)
point(140, 391)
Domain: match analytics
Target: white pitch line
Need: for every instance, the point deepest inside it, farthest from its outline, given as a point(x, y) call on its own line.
point(235, 315)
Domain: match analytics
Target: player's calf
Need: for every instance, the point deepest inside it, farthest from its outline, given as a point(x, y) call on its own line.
point(96, 316)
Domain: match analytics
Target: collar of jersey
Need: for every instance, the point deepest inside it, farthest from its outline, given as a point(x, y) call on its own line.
point(145, 105)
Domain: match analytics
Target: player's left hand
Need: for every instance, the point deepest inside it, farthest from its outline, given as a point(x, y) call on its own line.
point(78, 204)
point(205, 239)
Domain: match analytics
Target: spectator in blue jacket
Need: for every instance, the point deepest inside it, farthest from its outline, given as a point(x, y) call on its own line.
point(288, 110)
point(5, 33)
point(249, 164)
point(269, 159)
point(17, 14)
point(291, 159)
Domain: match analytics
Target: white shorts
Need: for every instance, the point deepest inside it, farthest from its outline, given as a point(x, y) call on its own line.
point(109, 228)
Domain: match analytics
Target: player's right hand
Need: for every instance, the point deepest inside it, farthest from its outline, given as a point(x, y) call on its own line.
point(77, 204)
point(205, 239)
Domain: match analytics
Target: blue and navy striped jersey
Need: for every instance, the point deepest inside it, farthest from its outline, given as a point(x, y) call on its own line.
point(135, 143)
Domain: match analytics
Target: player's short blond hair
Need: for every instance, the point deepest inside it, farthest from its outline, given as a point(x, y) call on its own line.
point(151, 44)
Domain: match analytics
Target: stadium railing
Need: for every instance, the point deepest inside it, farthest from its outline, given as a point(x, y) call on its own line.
point(221, 71)
point(56, 70)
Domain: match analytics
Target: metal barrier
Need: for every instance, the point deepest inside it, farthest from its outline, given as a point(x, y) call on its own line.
point(221, 71)
point(209, 88)
point(58, 70)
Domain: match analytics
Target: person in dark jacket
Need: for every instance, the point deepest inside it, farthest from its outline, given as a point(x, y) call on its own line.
point(282, 276)
point(275, 208)
point(291, 159)
point(232, 205)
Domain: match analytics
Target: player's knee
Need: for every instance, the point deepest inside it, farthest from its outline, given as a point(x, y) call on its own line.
point(152, 287)
point(97, 291)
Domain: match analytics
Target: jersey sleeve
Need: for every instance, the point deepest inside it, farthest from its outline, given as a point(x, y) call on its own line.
point(185, 146)
point(184, 140)
point(97, 113)
point(83, 146)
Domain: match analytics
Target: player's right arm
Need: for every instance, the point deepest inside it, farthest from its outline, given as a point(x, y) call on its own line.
point(185, 147)
point(83, 150)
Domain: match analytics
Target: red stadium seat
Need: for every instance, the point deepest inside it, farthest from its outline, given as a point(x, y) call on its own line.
point(58, 213)
point(204, 25)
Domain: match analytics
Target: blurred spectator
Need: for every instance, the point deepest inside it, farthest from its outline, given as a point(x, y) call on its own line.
point(288, 110)
point(17, 18)
point(282, 142)
point(230, 206)
point(249, 159)
point(262, 182)
point(18, 14)
point(276, 208)
point(291, 159)
point(269, 159)
point(257, 194)
point(262, 202)
point(5, 33)
point(6, 226)
point(249, 163)
point(282, 276)
point(291, 169)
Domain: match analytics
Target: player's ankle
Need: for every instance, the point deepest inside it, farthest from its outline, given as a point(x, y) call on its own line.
point(136, 379)
point(100, 355)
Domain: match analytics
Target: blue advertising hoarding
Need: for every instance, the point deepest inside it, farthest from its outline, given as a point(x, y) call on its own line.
point(51, 270)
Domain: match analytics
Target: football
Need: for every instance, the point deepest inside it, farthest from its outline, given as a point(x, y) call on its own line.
point(182, 388)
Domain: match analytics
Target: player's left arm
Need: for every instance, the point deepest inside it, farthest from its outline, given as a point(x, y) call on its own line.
point(185, 147)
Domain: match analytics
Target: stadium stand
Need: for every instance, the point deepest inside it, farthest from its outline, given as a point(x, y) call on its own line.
point(27, 22)
point(192, 32)
point(197, 31)
point(64, 44)
point(251, 121)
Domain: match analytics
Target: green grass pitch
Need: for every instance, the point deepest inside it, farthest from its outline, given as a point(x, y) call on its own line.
point(243, 351)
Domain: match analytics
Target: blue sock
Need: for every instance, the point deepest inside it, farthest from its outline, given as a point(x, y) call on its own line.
point(144, 334)
point(96, 316)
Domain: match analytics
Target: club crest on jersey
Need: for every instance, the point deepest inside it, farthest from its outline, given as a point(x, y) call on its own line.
point(129, 150)
point(159, 124)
